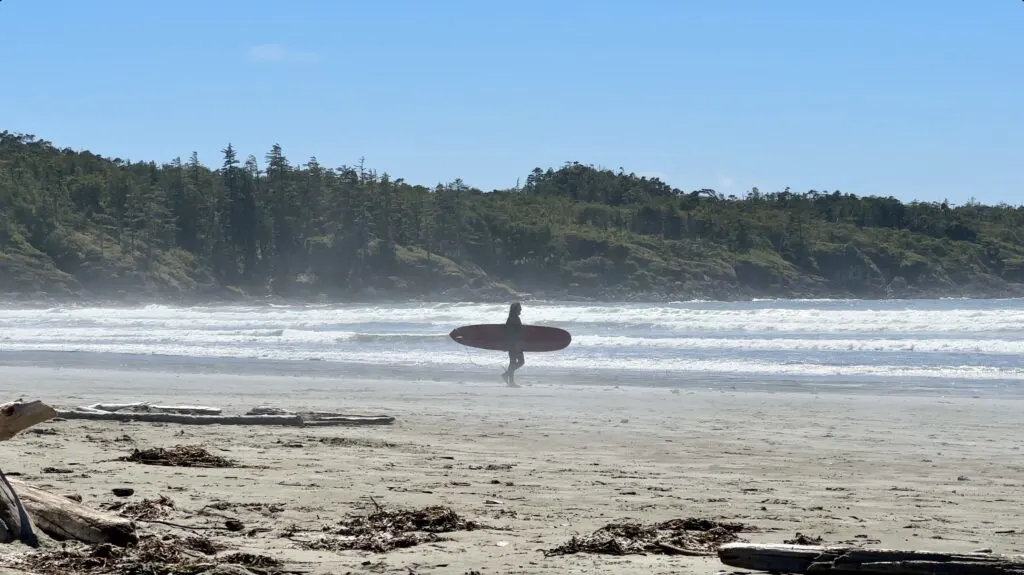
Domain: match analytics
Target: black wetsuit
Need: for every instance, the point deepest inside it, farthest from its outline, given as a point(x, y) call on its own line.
point(513, 328)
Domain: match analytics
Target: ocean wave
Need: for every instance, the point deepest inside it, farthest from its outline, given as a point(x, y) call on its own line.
point(749, 317)
point(946, 339)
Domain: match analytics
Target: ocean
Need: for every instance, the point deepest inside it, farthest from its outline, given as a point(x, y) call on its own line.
point(954, 346)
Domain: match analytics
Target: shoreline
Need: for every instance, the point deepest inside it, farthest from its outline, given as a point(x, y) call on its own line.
point(536, 378)
point(32, 300)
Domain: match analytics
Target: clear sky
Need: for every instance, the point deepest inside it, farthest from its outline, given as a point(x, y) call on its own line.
point(915, 98)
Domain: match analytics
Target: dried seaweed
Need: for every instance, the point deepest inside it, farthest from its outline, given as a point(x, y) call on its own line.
point(178, 456)
point(158, 555)
point(202, 545)
point(167, 555)
point(801, 539)
point(268, 509)
point(335, 441)
point(147, 509)
point(386, 530)
point(678, 536)
point(251, 560)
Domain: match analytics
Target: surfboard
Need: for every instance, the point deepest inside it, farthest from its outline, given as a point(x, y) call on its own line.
point(491, 336)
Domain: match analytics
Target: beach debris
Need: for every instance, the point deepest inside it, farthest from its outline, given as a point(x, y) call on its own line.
point(17, 416)
point(689, 536)
point(123, 491)
point(145, 510)
point(57, 470)
point(179, 418)
point(152, 555)
point(385, 530)
point(801, 539)
point(16, 523)
point(178, 456)
point(62, 518)
point(203, 415)
point(268, 410)
point(850, 560)
point(335, 441)
point(202, 545)
point(251, 560)
point(146, 407)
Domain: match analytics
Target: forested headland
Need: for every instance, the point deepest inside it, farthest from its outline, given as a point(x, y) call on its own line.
point(74, 224)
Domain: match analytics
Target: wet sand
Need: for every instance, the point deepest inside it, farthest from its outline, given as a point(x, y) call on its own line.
point(542, 463)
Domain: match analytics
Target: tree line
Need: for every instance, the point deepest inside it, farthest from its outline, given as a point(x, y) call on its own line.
point(272, 226)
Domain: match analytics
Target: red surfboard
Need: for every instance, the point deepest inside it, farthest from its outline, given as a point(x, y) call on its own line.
point(492, 336)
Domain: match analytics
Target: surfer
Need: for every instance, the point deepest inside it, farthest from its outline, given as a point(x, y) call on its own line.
point(513, 326)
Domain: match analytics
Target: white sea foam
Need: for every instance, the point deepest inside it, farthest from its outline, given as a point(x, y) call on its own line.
point(951, 339)
point(816, 318)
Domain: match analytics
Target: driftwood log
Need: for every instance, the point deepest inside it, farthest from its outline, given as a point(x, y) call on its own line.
point(146, 407)
point(17, 416)
point(16, 522)
point(351, 420)
point(63, 518)
point(293, 420)
point(180, 418)
point(845, 560)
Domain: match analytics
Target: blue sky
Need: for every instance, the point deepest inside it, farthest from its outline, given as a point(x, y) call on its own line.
point(918, 99)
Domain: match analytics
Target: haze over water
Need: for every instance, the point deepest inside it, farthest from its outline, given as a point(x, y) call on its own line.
point(955, 346)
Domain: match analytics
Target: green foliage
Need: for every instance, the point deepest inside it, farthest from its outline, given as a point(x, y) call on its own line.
point(76, 222)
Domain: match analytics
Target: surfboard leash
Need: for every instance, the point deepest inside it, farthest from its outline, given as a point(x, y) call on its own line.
point(473, 363)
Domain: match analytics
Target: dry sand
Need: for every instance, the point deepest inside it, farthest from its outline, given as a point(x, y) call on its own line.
point(910, 472)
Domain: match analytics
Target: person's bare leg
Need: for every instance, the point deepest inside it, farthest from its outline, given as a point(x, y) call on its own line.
point(515, 363)
point(507, 376)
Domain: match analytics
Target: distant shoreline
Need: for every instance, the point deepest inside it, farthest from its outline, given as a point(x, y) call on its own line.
point(33, 300)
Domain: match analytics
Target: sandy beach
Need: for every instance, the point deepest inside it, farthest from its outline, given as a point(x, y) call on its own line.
point(542, 463)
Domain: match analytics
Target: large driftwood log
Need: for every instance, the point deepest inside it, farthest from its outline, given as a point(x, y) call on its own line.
point(17, 416)
point(296, 420)
point(325, 418)
point(351, 420)
point(181, 418)
point(146, 407)
point(62, 518)
point(840, 560)
point(16, 522)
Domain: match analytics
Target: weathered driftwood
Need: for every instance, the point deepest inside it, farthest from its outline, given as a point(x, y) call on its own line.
point(351, 420)
point(146, 407)
point(296, 420)
point(330, 417)
point(17, 416)
point(845, 560)
point(267, 410)
point(62, 518)
point(182, 418)
point(16, 522)
point(114, 406)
